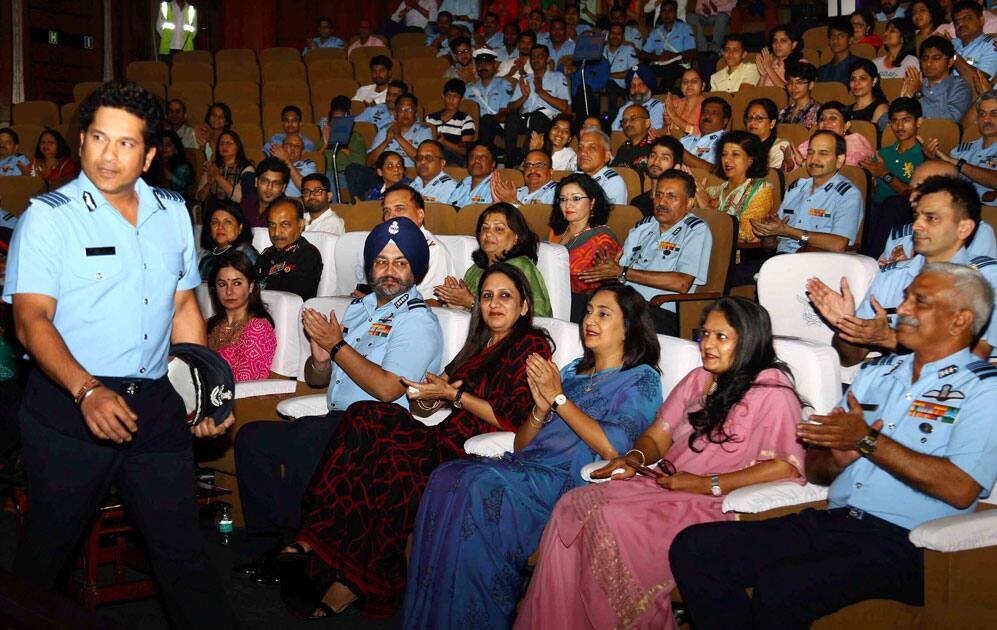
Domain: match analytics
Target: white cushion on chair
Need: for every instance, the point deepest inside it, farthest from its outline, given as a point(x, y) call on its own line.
point(285, 309)
point(460, 247)
point(322, 305)
point(203, 294)
point(564, 334)
point(265, 387)
point(303, 406)
point(261, 238)
point(815, 369)
point(325, 243)
point(490, 444)
point(553, 264)
point(678, 358)
point(957, 533)
point(348, 262)
point(762, 497)
point(454, 324)
point(587, 469)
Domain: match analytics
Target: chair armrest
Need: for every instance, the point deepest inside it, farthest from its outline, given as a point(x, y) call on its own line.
point(586, 471)
point(301, 406)
point(658, 300)
point(957, 533)
point(265, 387)
point(491, 444)
point(762, 497)
point(435, 418)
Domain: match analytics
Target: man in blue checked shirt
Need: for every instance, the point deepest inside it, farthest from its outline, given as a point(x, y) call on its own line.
point(914, 440)
point(101, 276)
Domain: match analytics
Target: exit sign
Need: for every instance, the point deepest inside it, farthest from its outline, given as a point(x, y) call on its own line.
point(53, 38)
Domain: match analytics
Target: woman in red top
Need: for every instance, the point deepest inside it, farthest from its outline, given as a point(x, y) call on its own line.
point(578, 221)
point(53, 161)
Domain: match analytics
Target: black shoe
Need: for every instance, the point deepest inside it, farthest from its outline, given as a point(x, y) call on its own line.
point(259, 565)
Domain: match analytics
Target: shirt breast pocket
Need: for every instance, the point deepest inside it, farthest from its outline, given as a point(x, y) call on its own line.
point(93, 278)
point(172, 266)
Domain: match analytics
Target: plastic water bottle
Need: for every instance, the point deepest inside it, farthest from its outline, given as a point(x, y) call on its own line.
point(224, 522)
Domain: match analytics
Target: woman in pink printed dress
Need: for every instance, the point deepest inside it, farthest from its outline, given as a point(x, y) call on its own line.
point(603, 558)
point(241, 330)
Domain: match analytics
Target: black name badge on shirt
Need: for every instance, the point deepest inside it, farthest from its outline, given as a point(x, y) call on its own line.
point(100, 251)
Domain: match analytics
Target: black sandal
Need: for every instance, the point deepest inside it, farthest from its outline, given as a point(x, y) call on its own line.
point(294, 556)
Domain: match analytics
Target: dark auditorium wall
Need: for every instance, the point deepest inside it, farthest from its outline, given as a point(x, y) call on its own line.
point(259, 24)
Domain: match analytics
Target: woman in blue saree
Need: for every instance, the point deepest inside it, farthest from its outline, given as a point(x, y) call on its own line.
point(480, 519)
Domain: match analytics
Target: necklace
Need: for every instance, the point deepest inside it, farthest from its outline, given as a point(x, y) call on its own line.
point(575, 237)
point(588, 388)
point(217, 252)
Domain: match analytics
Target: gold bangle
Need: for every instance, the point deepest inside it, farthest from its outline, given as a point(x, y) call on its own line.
point(643, 458)
point(539, 421)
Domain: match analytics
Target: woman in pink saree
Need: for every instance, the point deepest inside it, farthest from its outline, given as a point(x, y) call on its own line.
point(603, 560)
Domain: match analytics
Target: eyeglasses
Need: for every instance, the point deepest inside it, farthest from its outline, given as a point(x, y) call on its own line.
point(629, 119)
point(572, 199)
point(407, 110)
point(535, 165)
point(311, 192)
point(748, 119)
point(270, 183)
point(426, 158)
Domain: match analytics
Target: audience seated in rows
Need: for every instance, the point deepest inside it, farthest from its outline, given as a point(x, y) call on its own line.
point(835, 117)
point(227, 173)
point(744, 193)
point(316, 195)
point(291, 263)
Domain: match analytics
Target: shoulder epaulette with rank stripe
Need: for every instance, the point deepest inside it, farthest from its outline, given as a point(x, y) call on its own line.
point(842, 187)
point(795, 184)
point(979, 262)
point(692, 221)
point(356, 300)
point(644, 221)
point(883, 360)
point(53, 199)
point(988, 37)
point(964, 146)
point(610, 173)
point(889, 266)
point(168, 194)
point(982, 370)
point(416, 303)
point(445, 178)
point(902, 231)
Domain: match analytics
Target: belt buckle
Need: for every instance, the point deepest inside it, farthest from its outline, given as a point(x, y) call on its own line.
point(856, 513)
point(131, 388)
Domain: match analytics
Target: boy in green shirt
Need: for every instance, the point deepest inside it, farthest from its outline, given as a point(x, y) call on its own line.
point(895, 164)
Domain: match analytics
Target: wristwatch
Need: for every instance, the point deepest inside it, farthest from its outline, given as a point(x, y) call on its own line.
point(804, 238)
point(456, 399)
point(960, 164)
point(888, 178)
point(559, 400)
point(867, 445)
point(715, 486)
point(622, 278)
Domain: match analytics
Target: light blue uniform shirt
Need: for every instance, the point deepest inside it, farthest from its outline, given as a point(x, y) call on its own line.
point(416, 134)
point(947, 413)
point(379, 115)
point(889, 285)
point(461, 7)
point(114, 283)
point(834, 208)
point(492, 97)
point(979, 53)
point(278, 138)
point(624, 58)
point(438, 190)
point(632, 35)
point(465, 194)
point(566, 50)
point(976, 154)
point(501, 54)
point(544, 194)
point(332, 42)
point(305, 167)
point(703, 146)
point(403, 337)
point(554, 83)
point(984, 242)
point(683, 248)
point(8, 165)
point(677, 40)
point(613, 185)
point(654, 108)
point(900, 12)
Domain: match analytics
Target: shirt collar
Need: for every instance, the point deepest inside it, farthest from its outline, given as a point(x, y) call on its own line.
point(369, 301)
point(905, 371)
point(92, 198)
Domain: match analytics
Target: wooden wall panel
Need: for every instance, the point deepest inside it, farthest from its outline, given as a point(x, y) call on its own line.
point(51, 70)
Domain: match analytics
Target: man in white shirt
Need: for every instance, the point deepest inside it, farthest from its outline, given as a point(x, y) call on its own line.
point(376, 92)
point(738, 74)
point(411, 16)
point(514, 67)
point(317, 197)
point(403, 201)
point(176, 119)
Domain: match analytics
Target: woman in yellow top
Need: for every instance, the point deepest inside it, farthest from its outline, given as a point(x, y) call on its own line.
point(744, 193)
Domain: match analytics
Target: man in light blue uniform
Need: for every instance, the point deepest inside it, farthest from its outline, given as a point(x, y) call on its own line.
point(974, 48)
point(669, 47)
point(383, 114)
point(640, 94)
point(534, 103)
point(976, 161)
point(290, 152)
point(491, 95)
point(325, 37)
point(913, 441)
point(10, 160)
point(432, 182)
point(477, 186)
point(101, 276)
point(947, 213)
point(700, 150)
point(539, 188)
point(668, 253)
point(556, 40)
point(388, 334)
point(403, 129)
point(542, 195)
point(900, 244)
point(464, 11)
point(593, 156)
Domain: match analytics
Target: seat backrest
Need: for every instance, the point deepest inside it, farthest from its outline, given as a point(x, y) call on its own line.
point(284, 92)
point(230, 91)
point(631, 179)
point(193, 56)
point(723, 227)
point(156, 71)
point(363, 215)
point(17, 191)
point(825, 91)
point(84, 89)
point(247, 113)
point(279, 53)
point(622, 219)
point(237, 72)
point(283, 71)
point(196, 95)
point(325, 243)
point(460, 247)
point(285, 309)
point(235, 55)
point(348, 262)
point(553, 264)
point(424, 67)
point(782, 290)
point(678, 358)
point(325, 54)
point(797, 134)
point(261, 238)
point(45, 113)
point(454, 324)
point(816, 372)
point(330, 69)
point(192, 72)
point(564, 334)
point(441, 218)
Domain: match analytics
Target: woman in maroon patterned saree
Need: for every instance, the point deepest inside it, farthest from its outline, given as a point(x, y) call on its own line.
point(362, 502)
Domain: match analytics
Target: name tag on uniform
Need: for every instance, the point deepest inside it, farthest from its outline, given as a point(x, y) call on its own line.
point(100, 251)
point(933, 411)
point(820, 212)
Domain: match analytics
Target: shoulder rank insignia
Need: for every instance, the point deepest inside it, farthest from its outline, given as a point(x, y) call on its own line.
point(53, 199)
point(979, 262)
point(982, 370)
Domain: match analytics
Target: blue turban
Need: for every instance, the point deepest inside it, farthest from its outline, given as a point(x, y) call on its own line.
point(646, 74)
point(407, 236)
